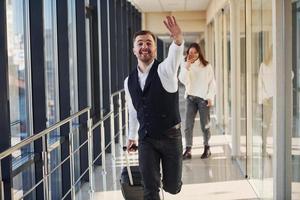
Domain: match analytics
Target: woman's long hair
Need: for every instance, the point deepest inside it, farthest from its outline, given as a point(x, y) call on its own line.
point(198, 49)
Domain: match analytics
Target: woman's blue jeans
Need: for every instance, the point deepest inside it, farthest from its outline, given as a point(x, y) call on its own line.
point(193, 105)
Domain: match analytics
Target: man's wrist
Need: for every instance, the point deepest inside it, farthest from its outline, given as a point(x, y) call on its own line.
point(132, 137)
point(178, 40)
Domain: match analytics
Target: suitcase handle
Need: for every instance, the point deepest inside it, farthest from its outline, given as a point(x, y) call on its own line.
point(133, 147)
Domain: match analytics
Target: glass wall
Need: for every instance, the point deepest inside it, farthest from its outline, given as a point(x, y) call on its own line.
point(210, 55)
point(257, 88)
point(52, 92)
point(243, 92)
point(19, 90)
point(48, 26)
point(50, 34)
point(74, 127)
point(262, 75)
point(218, 45)
point(227, 73)
point(296, 100)
point(213, 46)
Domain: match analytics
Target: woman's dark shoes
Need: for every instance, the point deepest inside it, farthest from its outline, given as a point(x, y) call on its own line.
point(187, 154)
point(206, 153)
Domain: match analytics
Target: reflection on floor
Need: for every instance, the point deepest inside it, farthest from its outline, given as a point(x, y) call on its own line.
point(230, 190)
point(218, 177)
point(215, 178)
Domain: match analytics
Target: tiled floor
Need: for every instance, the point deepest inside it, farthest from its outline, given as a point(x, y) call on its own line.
point(218, 177)
point(215, 178)
point(228, 190)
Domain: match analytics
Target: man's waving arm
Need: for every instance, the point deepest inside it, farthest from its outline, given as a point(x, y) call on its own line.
point(168, 68)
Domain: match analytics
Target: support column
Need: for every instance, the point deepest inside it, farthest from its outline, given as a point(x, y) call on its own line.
point(282, 59)
point(64, 90)
point(38, 85)
point(249, 88)
point(5, 143)
point(235, 76)
point(219, 69)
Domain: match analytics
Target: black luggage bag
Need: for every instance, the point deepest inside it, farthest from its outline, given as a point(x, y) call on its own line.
point(131, 183)
point(136, 190)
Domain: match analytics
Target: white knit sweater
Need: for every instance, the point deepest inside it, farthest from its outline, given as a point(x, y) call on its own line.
point(199, 80)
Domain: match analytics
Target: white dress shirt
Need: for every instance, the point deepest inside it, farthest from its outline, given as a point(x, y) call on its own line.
point(199, 80)
point(167, 72)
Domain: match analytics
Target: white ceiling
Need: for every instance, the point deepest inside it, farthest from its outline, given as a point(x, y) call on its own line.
point(170, 5)
point(261, 4)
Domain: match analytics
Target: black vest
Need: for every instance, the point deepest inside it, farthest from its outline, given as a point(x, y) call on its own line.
point(157, 109)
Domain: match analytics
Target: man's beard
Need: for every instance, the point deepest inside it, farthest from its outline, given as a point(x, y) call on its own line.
point(146, 57)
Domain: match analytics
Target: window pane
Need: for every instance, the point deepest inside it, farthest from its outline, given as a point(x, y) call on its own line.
point(19, 92)
point(74, 127)
point(18, 82)
point(52, 93)
point(262, 96)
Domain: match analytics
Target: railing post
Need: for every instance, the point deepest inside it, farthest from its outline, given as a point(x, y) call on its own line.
point(103, 148)
point(45, 168)
point(120, 120)
point(91, 155)
point(72, 171)
point(112, 129)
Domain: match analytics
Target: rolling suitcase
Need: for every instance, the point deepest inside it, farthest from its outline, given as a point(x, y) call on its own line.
point(131, 181)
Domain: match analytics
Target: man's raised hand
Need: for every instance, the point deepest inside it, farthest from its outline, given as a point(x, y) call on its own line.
point(174, 29)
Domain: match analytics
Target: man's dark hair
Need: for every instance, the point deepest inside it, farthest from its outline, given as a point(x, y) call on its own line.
point(144, 32)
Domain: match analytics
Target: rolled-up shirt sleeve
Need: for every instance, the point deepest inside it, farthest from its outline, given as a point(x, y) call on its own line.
point(132, 114)
point(183, 74)
point(167, 70)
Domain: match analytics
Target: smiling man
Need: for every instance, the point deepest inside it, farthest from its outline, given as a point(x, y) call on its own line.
point(152, 98)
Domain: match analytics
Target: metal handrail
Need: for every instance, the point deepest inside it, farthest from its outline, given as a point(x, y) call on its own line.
point(116, 93)
point(102, 120)
point(89, 141)
point(40, 134)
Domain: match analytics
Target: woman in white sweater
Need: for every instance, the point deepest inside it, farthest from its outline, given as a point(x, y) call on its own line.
point(197, 75)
